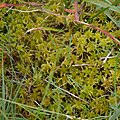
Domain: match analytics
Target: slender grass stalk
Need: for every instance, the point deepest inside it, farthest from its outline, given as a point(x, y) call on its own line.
point(4, 115)
point(11, 107)
point(73, 82)
point(3, 86)
point(104, 5)
point(115, 82)
point(69, 51)
point(115, 85)
point(50, 75)
point(47, 87)
point(96, 15)
point(116, 114)
point(40, 110)
point(58, 105)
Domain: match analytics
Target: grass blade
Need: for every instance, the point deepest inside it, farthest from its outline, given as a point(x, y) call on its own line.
point(117, 111)
point(115, 21)
point(3, 85)
point(104, 5)
point(115, 114)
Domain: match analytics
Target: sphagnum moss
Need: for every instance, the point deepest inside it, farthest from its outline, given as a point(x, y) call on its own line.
point(54, 74)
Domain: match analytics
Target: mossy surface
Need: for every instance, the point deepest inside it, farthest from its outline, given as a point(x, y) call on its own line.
point(64, 56)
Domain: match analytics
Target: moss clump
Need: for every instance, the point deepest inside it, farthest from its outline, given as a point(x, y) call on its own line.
point(55, 64)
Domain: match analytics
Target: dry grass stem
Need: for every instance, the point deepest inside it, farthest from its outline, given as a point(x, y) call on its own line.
point(71, 94)
point(108, 55)
point(76, 20)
